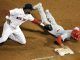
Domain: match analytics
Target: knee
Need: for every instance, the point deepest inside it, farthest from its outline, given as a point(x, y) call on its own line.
point(23, 42)
point(2, 40)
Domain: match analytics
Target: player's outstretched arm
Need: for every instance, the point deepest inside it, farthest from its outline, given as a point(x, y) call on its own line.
point(36, 21)
point(59, 41)
point(46, 27)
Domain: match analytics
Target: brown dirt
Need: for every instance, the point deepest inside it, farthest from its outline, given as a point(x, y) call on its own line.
point(39, 43)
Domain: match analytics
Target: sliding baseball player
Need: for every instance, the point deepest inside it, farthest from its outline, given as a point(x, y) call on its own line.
point(56, 30)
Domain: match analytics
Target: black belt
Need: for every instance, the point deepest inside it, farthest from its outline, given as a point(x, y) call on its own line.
point(8, 21)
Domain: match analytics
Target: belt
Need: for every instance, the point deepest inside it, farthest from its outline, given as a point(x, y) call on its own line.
point(8, 21)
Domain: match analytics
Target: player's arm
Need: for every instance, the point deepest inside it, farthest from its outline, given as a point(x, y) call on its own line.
point(59, 41)
point(32, 19)
point(36, 21)
point(8, 17)
point(46, 27)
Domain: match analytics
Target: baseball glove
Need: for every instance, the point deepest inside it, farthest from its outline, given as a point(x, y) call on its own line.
point(48, 27)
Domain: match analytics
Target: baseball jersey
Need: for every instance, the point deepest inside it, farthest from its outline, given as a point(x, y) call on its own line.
point(17, 17)
point(59, 30)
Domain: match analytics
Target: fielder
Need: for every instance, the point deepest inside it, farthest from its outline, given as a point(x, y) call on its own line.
point(56, 30)
point(15, 18)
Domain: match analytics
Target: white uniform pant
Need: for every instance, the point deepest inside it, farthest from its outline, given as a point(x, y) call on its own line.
point(41, 12)
point(14, 34)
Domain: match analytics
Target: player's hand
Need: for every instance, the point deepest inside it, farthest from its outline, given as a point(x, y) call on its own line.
point(63, 46)
point(41, 24)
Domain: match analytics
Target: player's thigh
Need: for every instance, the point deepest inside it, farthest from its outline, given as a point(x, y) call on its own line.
point(6, 31)
point(20, 36)
point(13, 37)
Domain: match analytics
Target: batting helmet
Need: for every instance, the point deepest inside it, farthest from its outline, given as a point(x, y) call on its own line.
point(28, 6)
point(76, 34)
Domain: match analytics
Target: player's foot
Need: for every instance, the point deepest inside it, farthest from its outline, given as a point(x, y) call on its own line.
point(46, 11)
point(38, 6)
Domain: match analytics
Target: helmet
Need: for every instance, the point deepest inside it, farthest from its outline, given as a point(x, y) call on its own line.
point(76, 34)
point(28, 6)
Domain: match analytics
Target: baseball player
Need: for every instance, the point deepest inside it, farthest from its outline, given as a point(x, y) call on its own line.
point(56, 30)
point(15, 18)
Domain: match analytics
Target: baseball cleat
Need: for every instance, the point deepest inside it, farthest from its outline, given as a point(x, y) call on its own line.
point(38, 6)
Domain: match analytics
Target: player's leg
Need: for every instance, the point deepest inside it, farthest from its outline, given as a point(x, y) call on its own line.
point(13, 37)
point(18, 36)
point(50, 17)
point(6, 32)
point(42, 13)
